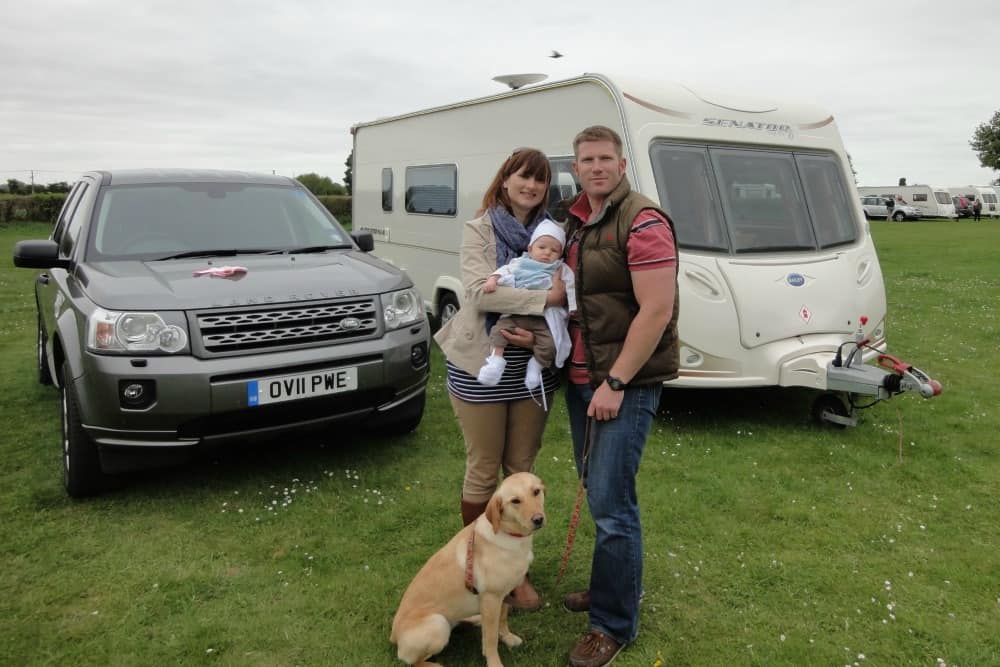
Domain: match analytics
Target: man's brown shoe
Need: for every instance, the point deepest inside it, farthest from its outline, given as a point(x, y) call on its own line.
point(595, 649)
point(577, 601)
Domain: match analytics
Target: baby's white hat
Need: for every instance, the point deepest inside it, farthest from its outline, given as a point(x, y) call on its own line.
point(549, 228)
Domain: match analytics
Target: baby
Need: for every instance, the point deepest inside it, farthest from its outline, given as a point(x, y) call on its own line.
point(533, 270)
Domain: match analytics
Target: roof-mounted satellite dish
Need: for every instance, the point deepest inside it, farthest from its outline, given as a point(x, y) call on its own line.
point(515, 81)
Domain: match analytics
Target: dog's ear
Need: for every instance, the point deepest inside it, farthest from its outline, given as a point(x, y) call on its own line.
point(494, 512)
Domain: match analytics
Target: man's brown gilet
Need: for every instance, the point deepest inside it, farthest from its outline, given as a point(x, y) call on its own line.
point(605, 293)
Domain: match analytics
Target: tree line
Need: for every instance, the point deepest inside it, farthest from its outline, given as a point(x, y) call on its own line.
point(316, 184)
point(16, 187)
point(986, 144)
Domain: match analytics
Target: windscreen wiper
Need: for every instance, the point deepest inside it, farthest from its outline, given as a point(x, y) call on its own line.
point(316, 248)
point(221, 252)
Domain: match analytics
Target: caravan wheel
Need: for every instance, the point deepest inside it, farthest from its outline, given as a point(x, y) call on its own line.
point(447, 308)
point(829, 409)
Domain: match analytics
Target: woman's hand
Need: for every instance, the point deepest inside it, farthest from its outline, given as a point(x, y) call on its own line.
point(557, 293)
point(520, 337)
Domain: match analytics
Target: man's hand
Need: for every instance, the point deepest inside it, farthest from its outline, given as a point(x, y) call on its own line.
point(490, 285)
point(520, 337)
point(606, 403)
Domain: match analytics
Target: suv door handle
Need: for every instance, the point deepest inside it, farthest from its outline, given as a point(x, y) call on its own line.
point(43, 278)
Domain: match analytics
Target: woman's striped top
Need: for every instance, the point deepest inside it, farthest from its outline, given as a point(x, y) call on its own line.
point(511, 386)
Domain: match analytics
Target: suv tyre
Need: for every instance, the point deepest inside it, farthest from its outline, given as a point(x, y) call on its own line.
point(82, 474)
point(898, 216)
point(403, 419)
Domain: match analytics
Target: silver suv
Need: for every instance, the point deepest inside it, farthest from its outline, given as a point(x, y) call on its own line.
point(177, 308)
point(875, 207)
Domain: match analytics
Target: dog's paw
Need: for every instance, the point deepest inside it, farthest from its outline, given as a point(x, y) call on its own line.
point(510, 639)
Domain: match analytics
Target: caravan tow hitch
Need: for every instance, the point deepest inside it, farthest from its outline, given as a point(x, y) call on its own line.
point(855, 378)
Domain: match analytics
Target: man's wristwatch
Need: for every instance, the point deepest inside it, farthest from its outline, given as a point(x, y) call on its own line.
point(615, 383)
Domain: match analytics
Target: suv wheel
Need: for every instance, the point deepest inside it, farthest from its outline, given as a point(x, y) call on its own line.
point(403, 419)
point(898, 216)
point(82, 474)
point(44, 376)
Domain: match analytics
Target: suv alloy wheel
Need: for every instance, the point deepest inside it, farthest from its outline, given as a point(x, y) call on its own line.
point(82, 474)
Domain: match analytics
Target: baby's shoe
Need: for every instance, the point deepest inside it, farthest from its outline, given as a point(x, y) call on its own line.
point(492, 370)
point(533, 375)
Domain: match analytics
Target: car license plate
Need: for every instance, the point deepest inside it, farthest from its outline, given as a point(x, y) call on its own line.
point(303, 385)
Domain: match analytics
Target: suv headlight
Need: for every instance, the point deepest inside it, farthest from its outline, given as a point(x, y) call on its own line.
point(402, 308)
point(130, 332)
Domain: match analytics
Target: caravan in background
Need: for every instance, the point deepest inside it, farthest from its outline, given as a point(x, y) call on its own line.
point(984, 193)
point(777, 266)
point(931, 201)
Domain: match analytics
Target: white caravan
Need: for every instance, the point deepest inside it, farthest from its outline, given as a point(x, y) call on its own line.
point(777, 265)
point(985, 193)
point(929, 200)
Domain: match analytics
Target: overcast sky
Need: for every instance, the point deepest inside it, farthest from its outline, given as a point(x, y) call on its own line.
point(276, 86)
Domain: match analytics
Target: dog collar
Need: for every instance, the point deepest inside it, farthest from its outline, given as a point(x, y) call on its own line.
point(515, 534)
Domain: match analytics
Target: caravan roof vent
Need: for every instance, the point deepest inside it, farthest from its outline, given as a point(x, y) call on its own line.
point(515, 81)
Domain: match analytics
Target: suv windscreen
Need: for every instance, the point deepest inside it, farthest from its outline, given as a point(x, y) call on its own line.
point(152, 221)
point(738, 200)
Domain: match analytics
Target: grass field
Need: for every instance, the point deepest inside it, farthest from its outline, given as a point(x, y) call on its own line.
point(769, 540)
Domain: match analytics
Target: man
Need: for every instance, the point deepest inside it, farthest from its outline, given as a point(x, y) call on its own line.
point(624, 346)
point(977, 209)
point(889, 206)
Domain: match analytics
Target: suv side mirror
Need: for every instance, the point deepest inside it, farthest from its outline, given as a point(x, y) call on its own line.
point(365, 240)
point(38, 255)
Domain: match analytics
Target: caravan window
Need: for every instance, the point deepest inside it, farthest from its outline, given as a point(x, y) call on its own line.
point(564, 184)
point(942, 197)
point(828, 200)
point(432, 189)
point(686, 188)
point(563, 187)
point(919, 196)
point(745, 200)
point(387, 189)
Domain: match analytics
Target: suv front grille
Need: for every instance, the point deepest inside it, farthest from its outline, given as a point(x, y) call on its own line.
point(231, 331)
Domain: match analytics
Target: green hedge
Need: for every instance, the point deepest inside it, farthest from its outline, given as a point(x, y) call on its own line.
point(339, 205)
point(38, 208)
point(46, 207)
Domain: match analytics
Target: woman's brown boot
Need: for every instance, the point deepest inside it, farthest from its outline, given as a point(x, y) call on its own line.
point(524, 597)
point(471, 511)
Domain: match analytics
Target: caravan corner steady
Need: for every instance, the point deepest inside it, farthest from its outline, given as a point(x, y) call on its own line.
point(776, 260)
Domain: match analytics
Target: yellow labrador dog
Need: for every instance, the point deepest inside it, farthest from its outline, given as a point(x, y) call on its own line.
point(469, 577)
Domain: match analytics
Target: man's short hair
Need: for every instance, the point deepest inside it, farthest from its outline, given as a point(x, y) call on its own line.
point(598, 133)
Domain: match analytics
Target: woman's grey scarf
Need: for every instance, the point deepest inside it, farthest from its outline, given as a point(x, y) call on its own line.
point(512, 236)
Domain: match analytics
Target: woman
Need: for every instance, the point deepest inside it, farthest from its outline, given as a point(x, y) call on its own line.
point(502, 424)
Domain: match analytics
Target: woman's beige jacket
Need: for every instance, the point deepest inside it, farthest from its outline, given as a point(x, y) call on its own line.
point(464, 338)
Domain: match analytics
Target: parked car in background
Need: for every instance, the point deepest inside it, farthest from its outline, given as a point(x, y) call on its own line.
point(875, 207)
point(962, 207)
point(931, 201)
point(179, 308)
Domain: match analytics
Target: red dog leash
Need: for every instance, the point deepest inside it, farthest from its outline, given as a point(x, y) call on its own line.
point(575, 518)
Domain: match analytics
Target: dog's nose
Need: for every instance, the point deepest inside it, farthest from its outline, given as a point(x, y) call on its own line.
point(538, 520)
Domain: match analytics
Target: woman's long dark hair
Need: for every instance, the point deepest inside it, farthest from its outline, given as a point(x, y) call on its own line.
point(535, 165)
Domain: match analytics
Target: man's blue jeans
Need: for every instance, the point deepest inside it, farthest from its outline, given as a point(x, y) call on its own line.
point(612, 465)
